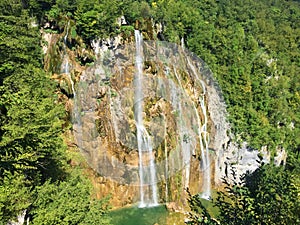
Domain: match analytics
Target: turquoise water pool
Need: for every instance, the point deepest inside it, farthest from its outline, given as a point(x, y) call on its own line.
point(140, 216)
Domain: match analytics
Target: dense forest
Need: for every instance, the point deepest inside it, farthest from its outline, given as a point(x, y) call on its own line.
point(252, 48)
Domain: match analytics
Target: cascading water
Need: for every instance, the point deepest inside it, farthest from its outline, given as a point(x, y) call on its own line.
point(203, 134)
point(182, 42)
point(66, 66)
point(184, 143)
point(77, 126)
point(147, 170)
point(206, 187)
point(163, 108)
point(166, 163)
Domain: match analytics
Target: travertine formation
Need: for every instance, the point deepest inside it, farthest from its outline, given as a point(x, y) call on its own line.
point(183, 113)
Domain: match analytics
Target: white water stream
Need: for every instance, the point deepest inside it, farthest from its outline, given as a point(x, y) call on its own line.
point(203, 135)
point(66, 66)
point(184, 143)
point(147, 169)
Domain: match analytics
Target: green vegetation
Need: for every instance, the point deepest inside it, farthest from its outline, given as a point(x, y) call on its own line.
point(270, 195)
point(68, 202)
point(34, 174)
point(252, 47)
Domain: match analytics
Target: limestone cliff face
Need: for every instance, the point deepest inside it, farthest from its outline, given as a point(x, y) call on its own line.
point(175, 84)
point(183, 112)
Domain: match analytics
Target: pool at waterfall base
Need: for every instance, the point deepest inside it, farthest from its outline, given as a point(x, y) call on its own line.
point(134, 215)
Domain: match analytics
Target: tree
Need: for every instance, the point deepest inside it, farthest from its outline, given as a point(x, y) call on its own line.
point(199, 214)
point(31, 147)
point(269, 195)
point(236, 207)
point(68, 202)
point(15, 196)
point(275, 193)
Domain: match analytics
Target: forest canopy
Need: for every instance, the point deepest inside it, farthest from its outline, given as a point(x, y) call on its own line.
point(252, 48)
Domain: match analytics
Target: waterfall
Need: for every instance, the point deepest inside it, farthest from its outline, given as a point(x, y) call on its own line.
point(184, 143)
point(203, 135)
point(166, 162)
point(206, 187)
point(65, 69)
point(182, 42)
point(66, 66)
point(149, 90)
point(147, 170)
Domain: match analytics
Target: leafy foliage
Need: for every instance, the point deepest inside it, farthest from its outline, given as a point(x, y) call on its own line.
point(251, 47)
point(31, 147)
point(199, 214)
point(33, 168)
point(275, 194)
point(32, 125)
point(97, 21)
point(15, 196)
point(236, 207)
point(269, 195)
point(68, 202)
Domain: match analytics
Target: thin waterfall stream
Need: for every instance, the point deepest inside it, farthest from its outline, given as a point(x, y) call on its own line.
point(66, 66)
point(147, 170)
point(203, 135)
point(143, 121)
point(184, 143)
point(206, 187)
point(166, 162)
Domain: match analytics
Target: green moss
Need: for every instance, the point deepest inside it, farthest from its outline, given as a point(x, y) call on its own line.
point(127, 31)
point(73, 32)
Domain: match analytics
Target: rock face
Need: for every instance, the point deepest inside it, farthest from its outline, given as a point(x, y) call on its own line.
point(183, 112)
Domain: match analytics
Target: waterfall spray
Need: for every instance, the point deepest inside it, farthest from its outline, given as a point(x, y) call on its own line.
point(203, 135)
point(185, 145)
point(166, 161)
point(206, 187)
point(147, 170)
point(66, 66)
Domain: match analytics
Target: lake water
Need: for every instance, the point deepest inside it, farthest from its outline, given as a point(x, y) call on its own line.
point(145, 216)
